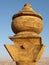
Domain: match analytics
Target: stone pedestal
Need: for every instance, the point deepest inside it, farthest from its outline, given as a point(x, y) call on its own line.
point(27, 48)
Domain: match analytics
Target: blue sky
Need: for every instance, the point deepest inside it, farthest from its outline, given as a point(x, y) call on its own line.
point(10, 7)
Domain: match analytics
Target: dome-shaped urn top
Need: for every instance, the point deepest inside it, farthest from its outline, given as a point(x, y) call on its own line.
point(27, 20)
point(27, 10)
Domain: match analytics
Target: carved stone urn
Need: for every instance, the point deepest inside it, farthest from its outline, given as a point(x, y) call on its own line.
point(27, 48)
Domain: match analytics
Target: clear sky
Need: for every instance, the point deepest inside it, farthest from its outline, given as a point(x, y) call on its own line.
point(10, 7)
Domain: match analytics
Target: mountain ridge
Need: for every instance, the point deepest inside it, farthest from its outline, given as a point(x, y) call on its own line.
point(42, 61)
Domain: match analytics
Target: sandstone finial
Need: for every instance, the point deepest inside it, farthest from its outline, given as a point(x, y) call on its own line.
point(27, 48)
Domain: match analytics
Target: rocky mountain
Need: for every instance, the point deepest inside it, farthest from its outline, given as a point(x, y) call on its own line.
point(43, 61)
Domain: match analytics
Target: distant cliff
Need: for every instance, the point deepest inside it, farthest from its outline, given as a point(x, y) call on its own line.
point(43, 61)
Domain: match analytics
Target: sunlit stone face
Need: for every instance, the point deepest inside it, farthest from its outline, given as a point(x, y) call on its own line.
point(28, 48)
point(25, 49)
